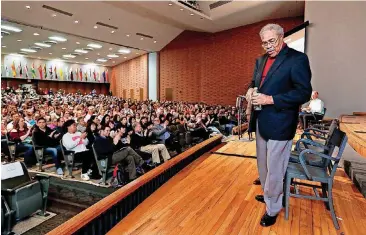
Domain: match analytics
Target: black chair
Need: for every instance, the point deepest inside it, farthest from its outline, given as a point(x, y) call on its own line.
point(24, 195)
point(39, 152)
point(317, 118)
point(103, 167)
point(6, 215)
point(69, 157)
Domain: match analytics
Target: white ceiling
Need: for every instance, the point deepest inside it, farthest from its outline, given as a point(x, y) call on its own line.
point(163, 20)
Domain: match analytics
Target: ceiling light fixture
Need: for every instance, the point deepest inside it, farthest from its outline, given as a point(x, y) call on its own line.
point(78, 43)
point(110, 48)
point(124, 51)
point(101, 60)
point(3, 46)
point(81, 51)
point(125, 57)
point(69, 56)
point(50, 53)
point(192, 14)
point(14, 54)
point(95, 26)
point(113, 31)
point(76, 21)
point(19, 40)
point(181, 9)
point(36, 34)
point(141, 38)
point(170, 4)
point(93, 45)
point(59, 39)
point(64, 48)
point(155, 41)
point(137, 53)
point(28, 7)
point(28, 50)
point(42, 44)
point(113, 56)
point(86, 58)
point(113, 62)
point(39, 57)
point(11, 28)
point(54, 15)
point(98, 53)
point(127, 35)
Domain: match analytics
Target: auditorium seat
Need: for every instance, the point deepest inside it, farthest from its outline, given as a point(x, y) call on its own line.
point(23, 194)
point(103, 166)
point(323, 175)
point(69, 158)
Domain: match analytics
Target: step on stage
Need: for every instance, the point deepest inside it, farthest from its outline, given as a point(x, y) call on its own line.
point(215, 195)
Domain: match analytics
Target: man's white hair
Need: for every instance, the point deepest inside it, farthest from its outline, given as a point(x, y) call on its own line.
point(277, 28)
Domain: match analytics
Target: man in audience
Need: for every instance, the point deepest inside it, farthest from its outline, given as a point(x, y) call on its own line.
point(314, 111)
point(81, 127)
point(44, 136)
point(76, 141)
point(275, 117)
point(140, 140)
point(105, 146)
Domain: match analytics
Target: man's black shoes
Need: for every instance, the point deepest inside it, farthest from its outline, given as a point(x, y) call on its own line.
point(268, 220)
point(259, 198)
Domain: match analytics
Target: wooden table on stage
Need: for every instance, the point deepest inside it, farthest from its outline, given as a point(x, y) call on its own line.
point(215, 195)
point(355, 127)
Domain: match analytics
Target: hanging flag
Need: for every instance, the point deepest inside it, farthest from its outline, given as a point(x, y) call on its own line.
point(13, 69)
point(106, 76)
point(26, 71)
point(61, 74)
point(103, 75)
point(81, 74)
point(94, 75)
point(6, 71)
point(90, 73)
point(50, 71)
point(20, 69)
point(98, 76)
point(33, 71)
point(71, 75)
point(45, 71)
point(40, 70)
point(77, 73)
point(56, 73)
point(86, 75)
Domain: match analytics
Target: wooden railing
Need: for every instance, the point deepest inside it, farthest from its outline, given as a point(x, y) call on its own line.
point(103, 215)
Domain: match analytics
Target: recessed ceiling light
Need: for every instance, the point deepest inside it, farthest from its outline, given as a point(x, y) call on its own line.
point(11, 28)
point(64, 48)
point(50, 53)
point(113, 62)
point(98, 53)
point(78, 43)
point(170, 4)
point(154, 41)
point(28, 50)
point(113, 56)
point(36, 34)
point(93, 45)
point(86, 58)
point(59, 39)
point(69, 56)
point(127, 35)
point(19, 40)
point(76, 21)
point(3, 46)
point(39, 57)
point(113, 31)
point(125, 57)
point(181, 9)
point(81, 51)
point(124, 51)
point(42, 44)
point(192, 14)
point(54, 15)
point(137, 53)
point(101, 60)
point(141, 38)
point(110, 48)
point(28, 7)
point(95, 26)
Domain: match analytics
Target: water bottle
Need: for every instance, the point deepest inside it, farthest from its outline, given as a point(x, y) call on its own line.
point(255, 93)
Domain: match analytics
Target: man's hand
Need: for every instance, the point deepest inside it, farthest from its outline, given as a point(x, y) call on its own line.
point(262, 99)
point(50, 135)
point(249, 94)
point(83, 135)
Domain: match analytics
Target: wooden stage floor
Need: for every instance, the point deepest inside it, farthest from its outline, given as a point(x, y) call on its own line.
point(215, 195)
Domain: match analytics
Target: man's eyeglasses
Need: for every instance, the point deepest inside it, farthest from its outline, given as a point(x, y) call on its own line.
point(270, 42)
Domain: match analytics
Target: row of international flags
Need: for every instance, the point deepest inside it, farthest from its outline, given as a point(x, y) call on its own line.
point(53, 72)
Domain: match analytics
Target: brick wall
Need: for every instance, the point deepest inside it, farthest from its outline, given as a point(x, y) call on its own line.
point(213, 68)
point(130, 75)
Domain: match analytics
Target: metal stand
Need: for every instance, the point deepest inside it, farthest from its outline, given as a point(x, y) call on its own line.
point(240, 106)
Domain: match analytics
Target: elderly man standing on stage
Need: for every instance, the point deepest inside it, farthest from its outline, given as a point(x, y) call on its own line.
point(282, 77)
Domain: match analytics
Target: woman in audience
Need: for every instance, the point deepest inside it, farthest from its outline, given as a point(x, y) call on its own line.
point(22, 136)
